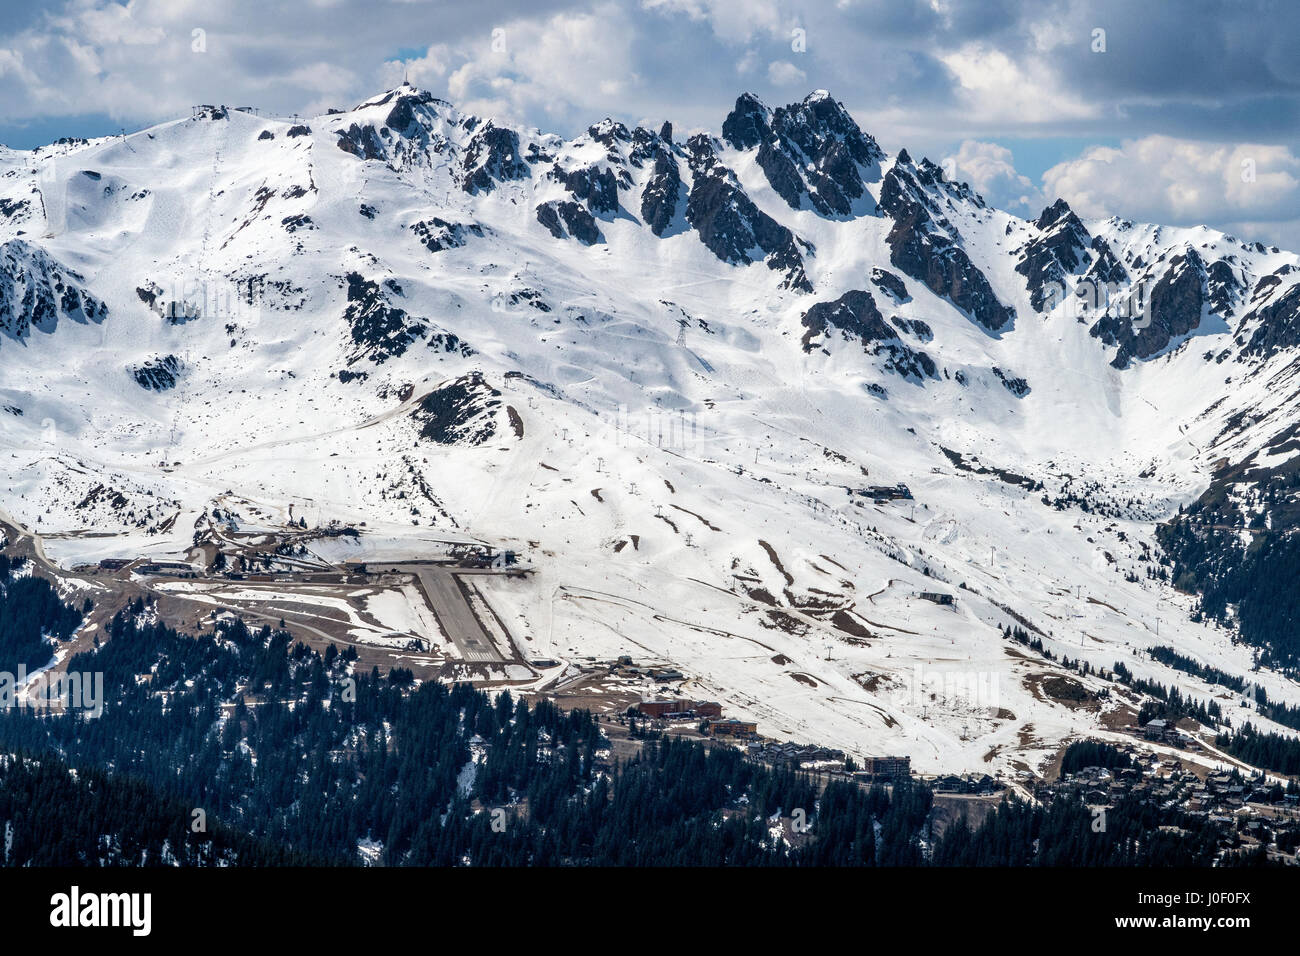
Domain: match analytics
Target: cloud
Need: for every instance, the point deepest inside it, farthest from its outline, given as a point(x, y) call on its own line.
point(989, 169)
point(566, 66)
point(1181, 182)
point(784, 73)
point(734, 21)
point(926, 74)
point(998, 89)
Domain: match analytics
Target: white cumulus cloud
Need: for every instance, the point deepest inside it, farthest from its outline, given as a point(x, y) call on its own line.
point(991, 171)
point(1182, 182)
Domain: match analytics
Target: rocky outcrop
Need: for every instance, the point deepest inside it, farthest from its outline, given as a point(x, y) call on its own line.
point(36, 290)
point(1059, 249)
point(459, 412)
point(1223, 288)
point(1152, 316)
point(812, 149)
point(491, 157)
point(1277, 322)
point(889, 283)
point(594, 186)
point(1106, 271)
point(379, 330)
point(564, 218)
point(855, 317)
point(438, 234)
point(662, 191)
point(362, 142)
point(729, 223)
point(158, 374)
point(925, 246)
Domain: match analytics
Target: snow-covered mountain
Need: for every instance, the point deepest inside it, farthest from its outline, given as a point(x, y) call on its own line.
point(669, 371)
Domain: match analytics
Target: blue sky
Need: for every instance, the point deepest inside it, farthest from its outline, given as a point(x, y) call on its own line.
point(1179, 112)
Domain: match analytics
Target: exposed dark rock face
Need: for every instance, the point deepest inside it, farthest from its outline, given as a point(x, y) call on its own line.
point(362, 142)
point(1172, 309)
point(15, 210)
point(438, 234)
point(158, 374)
point(1265, 286)
point(175, 312)
point(853, 313)
point(812, 149)
point(609, 133)
point(379, 330)
point(821, 120)
point(729, 223)
point(1224, 289)
point(855, 316)
point(833, 181)
point(299, 130)
point(746, 125)
point(782, 173)
point(591, 185)
point(1016, 386)
point(1060, 249)
point(925, 246)
point(914, 327)
point(1107, 271)
point(460, 412)
point(36, 291)
point(266, 134)
point(1279, 322)
point(492, 156)
point(402, 117)
point(645, 145)
point(891, 284)
point(662, 191)
point(565, 219)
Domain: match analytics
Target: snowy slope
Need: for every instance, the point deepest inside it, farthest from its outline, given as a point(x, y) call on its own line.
point(605, 353)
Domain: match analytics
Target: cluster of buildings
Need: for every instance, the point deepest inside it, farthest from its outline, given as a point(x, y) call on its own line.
point(1163, 731)
point(795, 755)
point(898, 492)
point(1247, 811)
point(680, 709)
point(708, 712)
point(626, 667)
point(808, 756)
point(951, 783)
